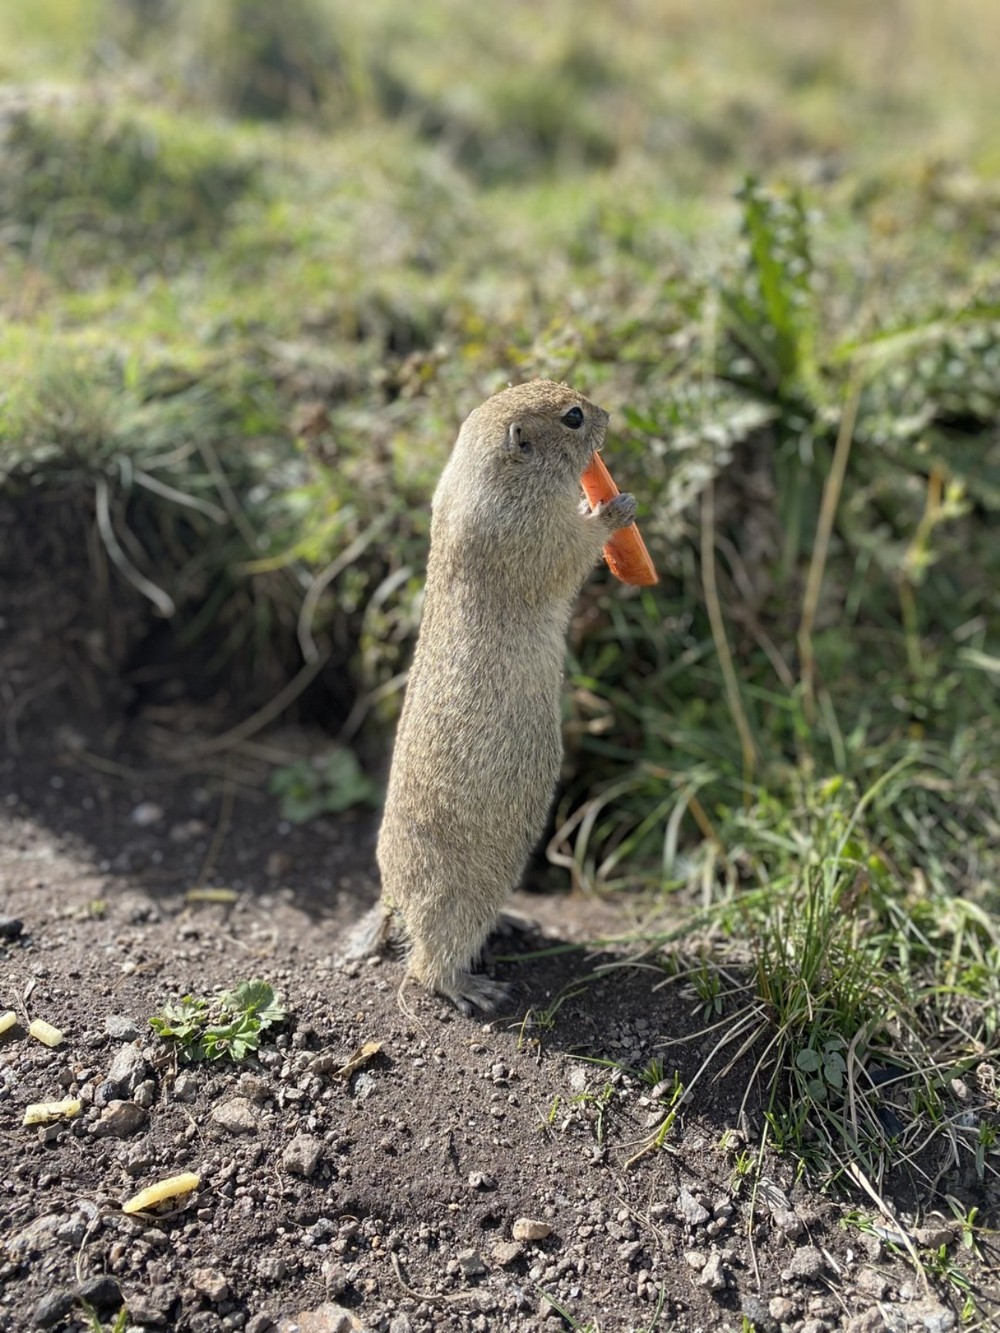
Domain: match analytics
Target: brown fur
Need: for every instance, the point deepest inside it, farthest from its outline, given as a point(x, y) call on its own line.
point(479, 743)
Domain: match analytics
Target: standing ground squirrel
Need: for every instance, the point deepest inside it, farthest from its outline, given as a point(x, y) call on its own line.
point(479, 742)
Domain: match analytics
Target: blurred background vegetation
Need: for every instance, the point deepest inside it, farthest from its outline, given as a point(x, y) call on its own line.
point(257, 261)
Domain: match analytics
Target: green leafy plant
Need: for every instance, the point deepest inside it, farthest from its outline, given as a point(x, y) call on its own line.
point(325, 785)
point(229, 1026)
point(824, 1068)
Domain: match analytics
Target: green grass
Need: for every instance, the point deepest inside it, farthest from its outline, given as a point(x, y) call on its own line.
point(256, 274)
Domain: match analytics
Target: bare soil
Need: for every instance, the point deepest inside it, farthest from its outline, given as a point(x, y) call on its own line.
point(388, 1199)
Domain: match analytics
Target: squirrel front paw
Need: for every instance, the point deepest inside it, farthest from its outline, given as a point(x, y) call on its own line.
point(616, 513)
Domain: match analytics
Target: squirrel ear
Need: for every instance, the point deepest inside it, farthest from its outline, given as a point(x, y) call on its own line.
point(516, 443)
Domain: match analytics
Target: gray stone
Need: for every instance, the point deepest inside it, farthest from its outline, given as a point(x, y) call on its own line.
point(302, 1155)
point(806, 1263)
point(260, 1323)
point(121, 1028)
point(237, 1115)
point(145, 1094)
point(326, 1318)
point(185, 1088)
point(789, 1222)
point(253, 1087)
point(103, 1293)
point(210, 1283)
point(869, 1321)
point(507, 1252)
point(400, 1323)
point(10, 927)
point(871, 1283)
point(924, 1316)
point(105, 1093)
point(526, 1228)
point(689, 1210)
point(138, 1161)
point(782, 1309)
point(54, 1306)
point(471, 1263)
point(37, 1237)
point(119, 1120)
point(933, 1237)
point(128, 1069)
point(152, 1306)
point(713, 1275)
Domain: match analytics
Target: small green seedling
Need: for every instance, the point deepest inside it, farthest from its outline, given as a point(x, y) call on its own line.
point(120, 1324)
point(230, 1025)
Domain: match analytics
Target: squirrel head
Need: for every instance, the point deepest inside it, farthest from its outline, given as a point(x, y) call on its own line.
point(535, 436)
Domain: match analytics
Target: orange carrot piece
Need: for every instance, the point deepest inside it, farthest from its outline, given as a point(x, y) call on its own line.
point(625, 551)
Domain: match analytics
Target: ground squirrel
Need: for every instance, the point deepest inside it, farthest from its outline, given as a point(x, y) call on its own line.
point(479, 742)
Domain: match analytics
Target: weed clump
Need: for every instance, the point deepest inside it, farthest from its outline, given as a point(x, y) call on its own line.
point(228, 1027)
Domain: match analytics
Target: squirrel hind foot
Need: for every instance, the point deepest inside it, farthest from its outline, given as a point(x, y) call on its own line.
point(468, 992)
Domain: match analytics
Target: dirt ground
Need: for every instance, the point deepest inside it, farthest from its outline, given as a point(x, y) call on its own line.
point(470, 1176)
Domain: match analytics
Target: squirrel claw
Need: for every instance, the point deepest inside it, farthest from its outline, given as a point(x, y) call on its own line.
point(618, 512)
point(468, 992)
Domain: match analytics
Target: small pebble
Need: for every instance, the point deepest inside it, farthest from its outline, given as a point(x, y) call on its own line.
point(689, 1210)
point(806, 1262)
point(103, 1293)
point(52, 1308)
point(471, 1263)
point(713, 1275)
point(10, 927)
point(507, 1252)
point(128, 1069)
point(237, 1115)
point(302, 1155)
point(146, 813)
point(121, 1028)
point(119, 1120)
point(210, 1283)
point(526, 1228)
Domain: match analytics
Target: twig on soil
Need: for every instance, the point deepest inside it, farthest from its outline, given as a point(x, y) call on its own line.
point(858, 1176)
point(432, 1298)
point(405, 1009)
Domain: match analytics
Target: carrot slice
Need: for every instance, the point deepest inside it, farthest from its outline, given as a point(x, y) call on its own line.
point(625, 551)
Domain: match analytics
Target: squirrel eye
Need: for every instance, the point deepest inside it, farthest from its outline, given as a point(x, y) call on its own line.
point(573, 418)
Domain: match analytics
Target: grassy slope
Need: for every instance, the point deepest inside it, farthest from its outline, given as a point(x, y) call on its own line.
point(797, 735)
